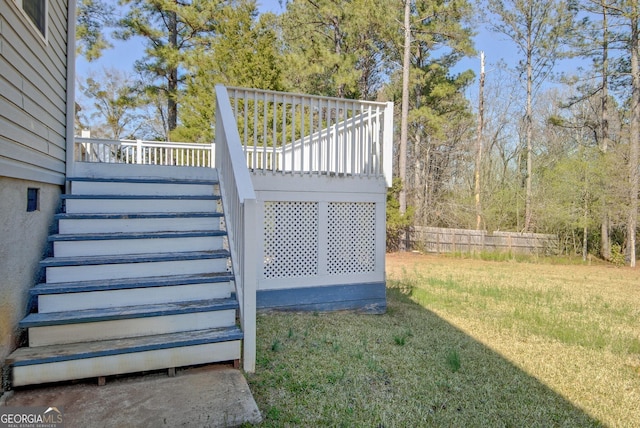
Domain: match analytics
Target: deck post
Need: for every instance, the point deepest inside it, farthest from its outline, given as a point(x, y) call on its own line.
point(250, 280)
point(387, 141)
point(139, 152)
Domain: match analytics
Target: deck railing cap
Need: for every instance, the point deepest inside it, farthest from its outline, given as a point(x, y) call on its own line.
point(318, 97)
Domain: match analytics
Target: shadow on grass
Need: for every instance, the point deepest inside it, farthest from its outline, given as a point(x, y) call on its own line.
point(407, 367)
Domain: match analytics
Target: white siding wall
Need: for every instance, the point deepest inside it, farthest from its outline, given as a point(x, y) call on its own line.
point(33, 95)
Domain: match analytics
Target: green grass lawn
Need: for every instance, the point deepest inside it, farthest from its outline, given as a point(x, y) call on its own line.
point(463, 343)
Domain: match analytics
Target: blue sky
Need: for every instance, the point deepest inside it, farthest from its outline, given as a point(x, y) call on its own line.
point(495, 46)
point(123, 55)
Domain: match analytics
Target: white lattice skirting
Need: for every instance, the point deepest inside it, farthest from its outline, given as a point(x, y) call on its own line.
point(292, 240)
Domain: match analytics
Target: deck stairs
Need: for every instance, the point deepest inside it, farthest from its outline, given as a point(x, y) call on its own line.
point(139, 281)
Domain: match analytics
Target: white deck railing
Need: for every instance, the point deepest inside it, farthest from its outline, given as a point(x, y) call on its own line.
point(240, 207)
point(291, 133)
point(144, 152)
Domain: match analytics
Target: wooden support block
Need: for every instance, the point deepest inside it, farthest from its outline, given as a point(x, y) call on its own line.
point(102, 381)
point(236, 364)
point(171, 371)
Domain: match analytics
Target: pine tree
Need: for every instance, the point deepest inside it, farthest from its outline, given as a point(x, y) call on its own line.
point(92, 16)
point(333, 47)
point(244, 53)
point(435, 36)
point(171, 28)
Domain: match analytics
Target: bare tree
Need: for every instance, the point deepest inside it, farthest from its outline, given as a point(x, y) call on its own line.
point(112, 103)
point(538, 29)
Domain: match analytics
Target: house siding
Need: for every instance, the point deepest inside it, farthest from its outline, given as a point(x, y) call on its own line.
point(33, 134)
point(33, 95)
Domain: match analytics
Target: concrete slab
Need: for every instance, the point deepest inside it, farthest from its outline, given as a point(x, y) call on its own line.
point(208, 396)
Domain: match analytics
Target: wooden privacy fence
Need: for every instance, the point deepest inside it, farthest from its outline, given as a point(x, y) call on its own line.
point(443, 240)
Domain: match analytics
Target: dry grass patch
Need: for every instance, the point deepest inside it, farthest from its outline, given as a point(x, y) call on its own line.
point(463, 343)
point(574, 328)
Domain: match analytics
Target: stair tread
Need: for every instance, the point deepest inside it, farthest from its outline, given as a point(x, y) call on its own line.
point(156, 197)
point(128, 283)
point(126, 312)
point(110, 216)
point(132, 258)
point(145, 180)
point(134, 235)
point(76, 351)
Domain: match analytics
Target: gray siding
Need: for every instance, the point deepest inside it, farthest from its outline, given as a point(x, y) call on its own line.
point(33, 95)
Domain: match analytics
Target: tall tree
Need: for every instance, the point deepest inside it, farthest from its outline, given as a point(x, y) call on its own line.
point(621, 32)
point(404, 118)
point(478, 165)
point(593, 41)
point(171, 28)
point(632, 13)
point(605, 242)
point(433, 39)
point(333, 47)
point(539, 30)
point(500, 188)
point(245, 52)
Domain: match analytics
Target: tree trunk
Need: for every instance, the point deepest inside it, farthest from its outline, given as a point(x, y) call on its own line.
point(337, 48)
point(404, 121)
point(585, 216)
point(416, 184)
point(528, 133)
point(172, 76)
point(634, 142)
point(479, 144)
point(605, 241)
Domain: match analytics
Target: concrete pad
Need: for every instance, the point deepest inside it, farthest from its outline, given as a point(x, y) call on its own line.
point(207, 396)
